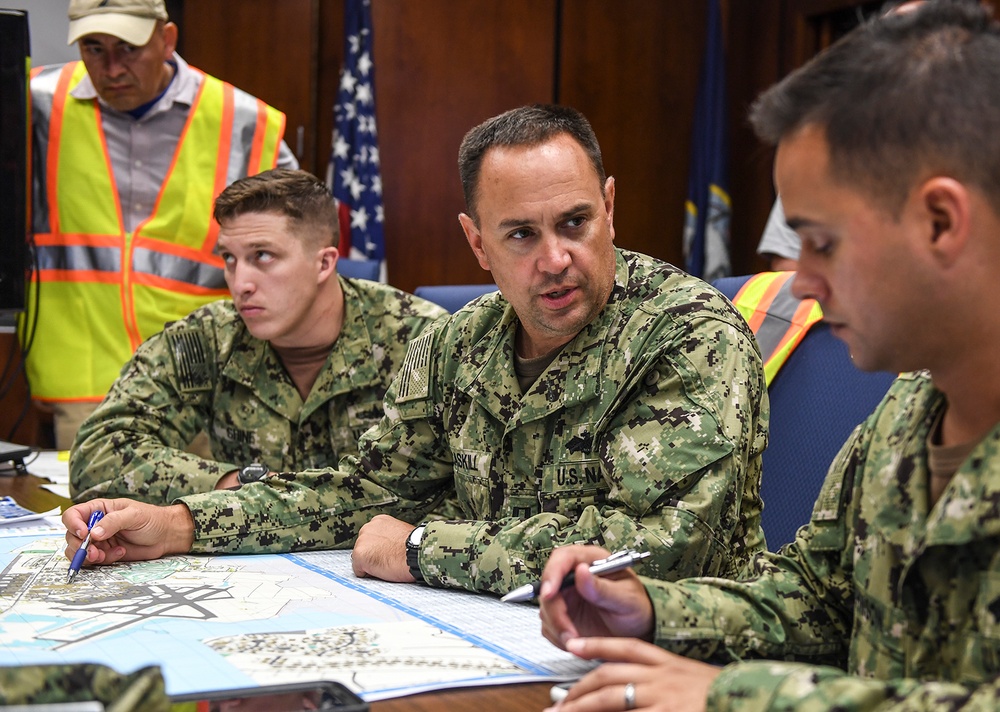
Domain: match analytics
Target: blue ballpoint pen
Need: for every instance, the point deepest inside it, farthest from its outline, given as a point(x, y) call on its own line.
point(616, 562)
point(81, 554)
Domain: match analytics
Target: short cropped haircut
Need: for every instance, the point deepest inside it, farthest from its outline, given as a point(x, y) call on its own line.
point(901, 98)
point(525, 126)
point(298, 195)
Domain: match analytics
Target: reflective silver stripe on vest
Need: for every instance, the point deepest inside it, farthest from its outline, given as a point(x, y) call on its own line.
point(775, 325)
point(79, 257)
point(178, 269)
point(43, 90)
point(244, 127)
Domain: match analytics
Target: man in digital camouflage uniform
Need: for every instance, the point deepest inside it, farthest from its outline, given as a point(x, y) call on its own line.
point(605, 397)
point(285, 377)
point(887, 164)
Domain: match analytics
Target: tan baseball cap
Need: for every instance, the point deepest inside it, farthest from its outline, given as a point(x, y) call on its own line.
point(130, 20)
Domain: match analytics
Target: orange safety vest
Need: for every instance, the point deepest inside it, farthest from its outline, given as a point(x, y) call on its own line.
point(100, 290)
point(777, 318)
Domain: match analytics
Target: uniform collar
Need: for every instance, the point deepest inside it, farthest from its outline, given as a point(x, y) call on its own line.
point(350, 365)
point(967, 509)
point(573, 377)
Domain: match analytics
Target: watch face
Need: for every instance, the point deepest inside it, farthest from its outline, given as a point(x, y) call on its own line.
point(253, 473)
point(415, 536)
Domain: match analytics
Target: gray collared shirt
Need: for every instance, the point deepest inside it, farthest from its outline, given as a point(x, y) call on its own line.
point(141, 149)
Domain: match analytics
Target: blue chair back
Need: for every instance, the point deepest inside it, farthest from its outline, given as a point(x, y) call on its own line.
point(359, 269)
point(817, 398)
point(453, 296)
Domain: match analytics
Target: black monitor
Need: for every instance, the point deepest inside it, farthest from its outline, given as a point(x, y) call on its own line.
point(15, 186)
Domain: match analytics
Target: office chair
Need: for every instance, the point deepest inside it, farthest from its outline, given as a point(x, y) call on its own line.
point(817, 398)
point(359, 269)
point(453, 296)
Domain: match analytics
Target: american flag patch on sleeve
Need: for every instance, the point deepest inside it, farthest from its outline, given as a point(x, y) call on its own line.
point(190, 360)
point(414, 377)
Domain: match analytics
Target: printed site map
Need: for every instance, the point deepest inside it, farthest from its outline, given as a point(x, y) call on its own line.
point(216, 622)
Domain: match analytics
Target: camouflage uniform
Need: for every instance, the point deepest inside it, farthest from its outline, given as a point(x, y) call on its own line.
point(141, 691)
point(903, 597)
point(646, 430)
point(207, 372)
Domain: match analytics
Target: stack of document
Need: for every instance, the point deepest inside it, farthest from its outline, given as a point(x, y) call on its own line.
point(53, 465)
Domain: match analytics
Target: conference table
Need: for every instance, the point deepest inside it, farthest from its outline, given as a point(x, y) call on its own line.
point(27, 490)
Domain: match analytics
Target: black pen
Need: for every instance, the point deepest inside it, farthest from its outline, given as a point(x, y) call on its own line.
point(616, 562)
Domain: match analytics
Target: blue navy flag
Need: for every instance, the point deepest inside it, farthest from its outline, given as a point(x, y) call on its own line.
point(706, 225)
point(353, 173)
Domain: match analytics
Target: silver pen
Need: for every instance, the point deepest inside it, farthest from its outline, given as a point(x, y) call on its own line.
point(616, 562)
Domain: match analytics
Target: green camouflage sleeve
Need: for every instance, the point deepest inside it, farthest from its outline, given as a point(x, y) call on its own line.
point(404, 470)
point(141, 691)
point(861, 611)
point(318, 509)
point(796, 687)
point(314, 509)
point(680, 448)
point(797, 604)
point(134, 444)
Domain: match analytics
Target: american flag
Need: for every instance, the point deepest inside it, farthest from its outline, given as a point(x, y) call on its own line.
point(353, 173)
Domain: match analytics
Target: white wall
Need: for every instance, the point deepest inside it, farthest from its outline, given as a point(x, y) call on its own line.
point(49, 27)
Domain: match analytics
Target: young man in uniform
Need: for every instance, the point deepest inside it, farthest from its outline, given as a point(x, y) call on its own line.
point(286, 376)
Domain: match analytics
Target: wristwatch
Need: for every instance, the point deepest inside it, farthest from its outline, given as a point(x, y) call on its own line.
point(413, 551)
point(254, 472)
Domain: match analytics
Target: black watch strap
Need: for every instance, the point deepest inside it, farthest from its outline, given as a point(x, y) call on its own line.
point(413, 552)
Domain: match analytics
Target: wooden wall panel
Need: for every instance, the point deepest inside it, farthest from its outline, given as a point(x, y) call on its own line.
point(754, 37)
point(442, 67)
point(330, 52)
point(267, 48)
point(632, 68)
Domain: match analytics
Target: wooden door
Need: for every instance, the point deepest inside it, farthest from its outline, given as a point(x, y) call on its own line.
point(269, 48)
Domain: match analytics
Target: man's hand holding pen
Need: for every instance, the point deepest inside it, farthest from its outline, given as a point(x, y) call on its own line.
point(597, 618)
point(81, 554)
point(129, 530)
point(614, 604)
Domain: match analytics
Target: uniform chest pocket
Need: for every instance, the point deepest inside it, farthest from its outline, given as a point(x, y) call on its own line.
point(473, 483)
point(571, 486)
point(347, 427)
point(877, 641)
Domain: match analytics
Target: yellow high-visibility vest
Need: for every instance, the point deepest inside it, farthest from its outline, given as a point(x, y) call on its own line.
point(101, 290)
point(777, 318)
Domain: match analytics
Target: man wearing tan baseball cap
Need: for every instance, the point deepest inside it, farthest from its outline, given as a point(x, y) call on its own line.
point(130, 20)
point(132, 146)
point(127, 47)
